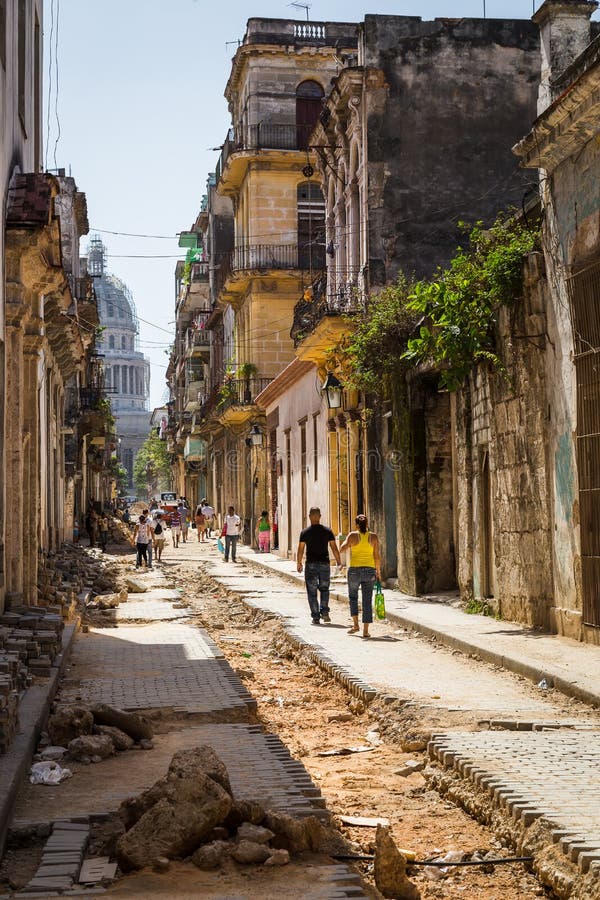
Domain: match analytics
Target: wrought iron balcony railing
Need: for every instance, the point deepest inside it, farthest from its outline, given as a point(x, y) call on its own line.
point(264, 136)
point(252, 257)
point(341, 297)
point(240, 392)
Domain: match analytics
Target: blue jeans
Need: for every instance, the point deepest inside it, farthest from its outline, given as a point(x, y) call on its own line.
point(230, 542)
point(362, 577)
point(317, 576)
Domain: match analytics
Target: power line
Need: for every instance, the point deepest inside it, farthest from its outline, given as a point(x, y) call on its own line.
point(144, 256)
point(158, 237)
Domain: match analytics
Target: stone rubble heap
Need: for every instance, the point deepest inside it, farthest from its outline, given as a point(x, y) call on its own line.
point(31, 636)
point(192, 813)
point(91, 735)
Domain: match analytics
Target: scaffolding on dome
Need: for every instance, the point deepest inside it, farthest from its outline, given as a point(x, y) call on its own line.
point(109, 287)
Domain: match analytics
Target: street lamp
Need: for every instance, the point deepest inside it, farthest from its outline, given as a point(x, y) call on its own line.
point(332, 389)
point(256, 436)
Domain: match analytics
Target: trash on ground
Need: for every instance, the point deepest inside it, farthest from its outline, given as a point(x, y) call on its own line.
point(543, 685)
point(48, 772)
point(364, 821)
point(345, 751)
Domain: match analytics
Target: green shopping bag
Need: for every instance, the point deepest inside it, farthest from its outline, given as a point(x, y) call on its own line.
point(379, 601)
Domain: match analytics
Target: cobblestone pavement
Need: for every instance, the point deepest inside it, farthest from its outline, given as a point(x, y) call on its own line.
point(555, 775)
point(153, 666)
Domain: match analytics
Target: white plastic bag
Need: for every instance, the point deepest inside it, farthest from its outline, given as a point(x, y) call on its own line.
point(48, 773)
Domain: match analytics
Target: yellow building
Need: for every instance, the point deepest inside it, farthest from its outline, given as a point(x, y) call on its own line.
point(280, 76)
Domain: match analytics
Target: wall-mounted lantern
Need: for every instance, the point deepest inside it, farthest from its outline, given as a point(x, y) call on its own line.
point(332, 389)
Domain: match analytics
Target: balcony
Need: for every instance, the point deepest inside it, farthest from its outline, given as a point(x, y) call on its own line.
point(250, 260)
point(320, 322)
point(194, 390)
point(197, 342)
point(240, 148)
point(236, 399)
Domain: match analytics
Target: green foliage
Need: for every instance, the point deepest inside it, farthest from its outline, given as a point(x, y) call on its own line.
point(247, 370)
point(119, 475)
point(151, 467)
point(372, 353)
point(480, 608)
point(458, 307)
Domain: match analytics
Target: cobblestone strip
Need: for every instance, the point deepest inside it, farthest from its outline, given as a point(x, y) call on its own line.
point(61, 859)
point(532, 774)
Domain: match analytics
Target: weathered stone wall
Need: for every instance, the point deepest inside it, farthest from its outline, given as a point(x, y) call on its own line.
point(507, 417)
point(455, 96)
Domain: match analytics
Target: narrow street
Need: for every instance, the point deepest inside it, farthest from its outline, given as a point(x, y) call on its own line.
point(225, 655)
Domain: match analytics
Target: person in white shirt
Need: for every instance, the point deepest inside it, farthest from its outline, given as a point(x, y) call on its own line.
point(141, 537)
point(208, 512)
point(232, 532)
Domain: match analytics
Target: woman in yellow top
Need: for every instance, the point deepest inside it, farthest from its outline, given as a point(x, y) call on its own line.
point(363, 571)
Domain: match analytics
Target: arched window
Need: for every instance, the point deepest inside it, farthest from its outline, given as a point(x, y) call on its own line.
point(111, 342)
point(309, 102)
point(311, 226)
point(110, 309)
point(123, 343)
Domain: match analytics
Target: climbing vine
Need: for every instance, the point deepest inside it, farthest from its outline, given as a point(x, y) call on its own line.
point(447, 321)
point(458, 306)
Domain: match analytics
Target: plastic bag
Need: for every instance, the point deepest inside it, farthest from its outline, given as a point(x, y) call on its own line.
point(379, 601)
point(48, 773)
point(220, 546)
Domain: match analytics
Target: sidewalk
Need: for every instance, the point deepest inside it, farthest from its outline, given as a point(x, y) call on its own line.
point(569, 666)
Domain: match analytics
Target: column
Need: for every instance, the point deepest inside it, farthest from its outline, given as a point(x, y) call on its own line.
point(13, 443)
point(32, 469)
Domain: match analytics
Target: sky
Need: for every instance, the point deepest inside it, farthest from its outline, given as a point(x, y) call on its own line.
point(136, 109)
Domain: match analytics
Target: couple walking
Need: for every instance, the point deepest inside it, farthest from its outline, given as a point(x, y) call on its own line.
point(363, 571)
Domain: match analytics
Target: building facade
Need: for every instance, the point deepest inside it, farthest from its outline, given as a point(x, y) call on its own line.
point(126, 369)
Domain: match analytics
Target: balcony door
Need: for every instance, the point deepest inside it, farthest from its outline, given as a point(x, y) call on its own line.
point(311, 227)
point(309, 102)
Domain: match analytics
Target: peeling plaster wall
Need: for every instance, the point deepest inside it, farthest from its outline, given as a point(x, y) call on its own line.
point(454, 97)
point(509, 418)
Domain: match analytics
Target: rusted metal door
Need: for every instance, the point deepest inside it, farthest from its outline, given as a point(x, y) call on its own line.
point(584, 292)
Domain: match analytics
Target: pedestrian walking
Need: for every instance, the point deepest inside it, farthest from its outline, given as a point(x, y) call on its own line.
point(184, 512)
point(103, 528)
point(232, 532)
point(200, 520)
point(150, 524)
point(209, 514)
point(263, 532)
point(317, 540)
point(159, 537)
point(175, 527)
point(141, 537)
point(91, 524)
point(363, 571)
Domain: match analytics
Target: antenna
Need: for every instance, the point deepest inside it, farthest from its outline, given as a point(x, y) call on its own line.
point(299, 5)
point(230, 43)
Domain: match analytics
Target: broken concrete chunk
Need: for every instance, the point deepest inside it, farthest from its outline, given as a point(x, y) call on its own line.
point(120, 740)
point(249, 832)
point(295, 835)
point(340, 717)
point(409, 767)
point(161, 864)
point(278, 858)
point(244, 811)
point(136, 586)
point(212, 855)
point(202, 759)
point(137, 727)
point(69, 722)
point(186, 812)
point(248, 852)
point(93, 746)
point(390, 868)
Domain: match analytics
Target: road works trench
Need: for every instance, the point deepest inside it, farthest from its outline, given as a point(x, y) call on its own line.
point(300, 703)
point(312, 714)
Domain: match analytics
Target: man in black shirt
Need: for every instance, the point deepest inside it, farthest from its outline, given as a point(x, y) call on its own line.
point(317, 540)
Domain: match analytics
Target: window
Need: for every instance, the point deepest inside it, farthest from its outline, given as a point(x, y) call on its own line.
point(123, 343)
point(110, 310)
point(111, 342)
point(311, 226)
point(22, 51)
point(315, 446)
point(309, 101)
point(3, 33)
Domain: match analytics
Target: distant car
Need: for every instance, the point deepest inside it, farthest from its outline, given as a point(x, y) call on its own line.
point(129, 500)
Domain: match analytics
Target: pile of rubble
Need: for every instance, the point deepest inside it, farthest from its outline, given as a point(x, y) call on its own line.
point(91, 735)
point(192, 813)
point(31, 636)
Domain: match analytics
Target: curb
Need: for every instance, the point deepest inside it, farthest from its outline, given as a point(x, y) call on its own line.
point(352, 683)
point(510, 663)
point(33, 712)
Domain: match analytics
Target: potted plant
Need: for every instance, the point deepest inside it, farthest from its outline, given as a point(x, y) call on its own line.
point(246, 371)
